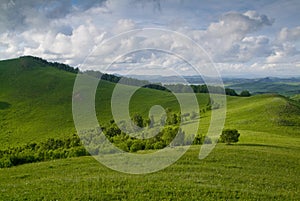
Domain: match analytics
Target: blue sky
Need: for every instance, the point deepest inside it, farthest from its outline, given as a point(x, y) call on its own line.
point(243, 38)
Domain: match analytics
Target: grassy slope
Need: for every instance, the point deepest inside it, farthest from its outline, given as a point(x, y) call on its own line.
point(263, 165)
point(35, 101)
point(39, 98)
point(265, 113)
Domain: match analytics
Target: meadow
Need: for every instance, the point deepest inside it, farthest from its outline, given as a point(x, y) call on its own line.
point(35, 105)
point(264, 169)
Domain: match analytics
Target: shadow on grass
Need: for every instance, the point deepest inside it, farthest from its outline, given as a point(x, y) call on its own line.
point(4, 105)
point(261, 145)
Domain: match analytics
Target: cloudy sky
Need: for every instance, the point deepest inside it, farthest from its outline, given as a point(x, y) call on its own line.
point(242, 38)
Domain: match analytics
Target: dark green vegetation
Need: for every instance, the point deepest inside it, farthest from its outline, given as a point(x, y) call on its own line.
point(229, 136)
point(35, 105)
point(42, 151)
point(245, 93)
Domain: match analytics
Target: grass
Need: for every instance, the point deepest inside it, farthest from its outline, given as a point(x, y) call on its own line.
point(249, 170)
point(35, 104)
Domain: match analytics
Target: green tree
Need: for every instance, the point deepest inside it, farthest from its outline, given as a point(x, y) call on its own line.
point(230, 92)
point(229, 136)
point(245, 93)
point(138, 120)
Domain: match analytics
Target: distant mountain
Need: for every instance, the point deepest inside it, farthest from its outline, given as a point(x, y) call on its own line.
point(282, 86)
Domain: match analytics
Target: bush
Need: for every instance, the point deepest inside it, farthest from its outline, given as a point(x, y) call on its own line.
point(158, 145)
point(42, 151)
point(245, 93)
point(229, 136)
point(5, 162)
point(137, 145)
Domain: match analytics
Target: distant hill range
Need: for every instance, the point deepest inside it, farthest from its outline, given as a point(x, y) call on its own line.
point(283, 86)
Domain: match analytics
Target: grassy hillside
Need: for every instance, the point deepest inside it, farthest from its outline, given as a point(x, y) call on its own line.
point(36, 101)
point(35, 104)
point(267, 113)
point(39, 99)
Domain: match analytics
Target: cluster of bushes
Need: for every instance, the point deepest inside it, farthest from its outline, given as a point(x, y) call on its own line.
point(151, 137)
point(146, 134)
point(181, 88)
point(42, 151)
point(125, 142)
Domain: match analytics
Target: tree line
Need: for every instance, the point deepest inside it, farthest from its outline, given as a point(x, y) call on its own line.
point(177, 88)
point(42, 151)
point(57, 65)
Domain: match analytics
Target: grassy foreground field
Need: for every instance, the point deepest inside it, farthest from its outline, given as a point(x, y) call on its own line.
point(249, 170)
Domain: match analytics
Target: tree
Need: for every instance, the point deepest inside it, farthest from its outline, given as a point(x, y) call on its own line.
point(230, 92)
point(229, 136)
point(138, 120)
point(245, 93)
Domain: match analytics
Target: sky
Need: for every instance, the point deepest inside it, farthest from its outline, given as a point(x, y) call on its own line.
point(239, 38)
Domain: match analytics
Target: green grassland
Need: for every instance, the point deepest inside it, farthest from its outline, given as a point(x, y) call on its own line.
point(247, 171)
point(35, 104)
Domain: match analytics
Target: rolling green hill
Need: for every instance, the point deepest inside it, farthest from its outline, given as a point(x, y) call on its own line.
point(36, 101)
point(39, 99)
point(35, 104)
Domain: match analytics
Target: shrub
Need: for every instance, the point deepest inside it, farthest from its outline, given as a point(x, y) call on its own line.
point(5, 162)
point(137, 145)
point(158, 145)
point(229, 136)
point(245, 93)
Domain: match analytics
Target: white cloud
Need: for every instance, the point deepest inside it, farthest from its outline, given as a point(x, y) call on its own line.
point(124, 25)
point(60, 31)
point(289, 34)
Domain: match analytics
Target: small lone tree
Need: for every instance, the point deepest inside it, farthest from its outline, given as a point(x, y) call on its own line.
point(245, 93)
point(138, 120)
point(229, 136)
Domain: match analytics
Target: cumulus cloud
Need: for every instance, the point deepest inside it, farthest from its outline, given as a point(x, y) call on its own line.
point(67, 32)
point(289, 34)
point(124, 25)
point(226, 40)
